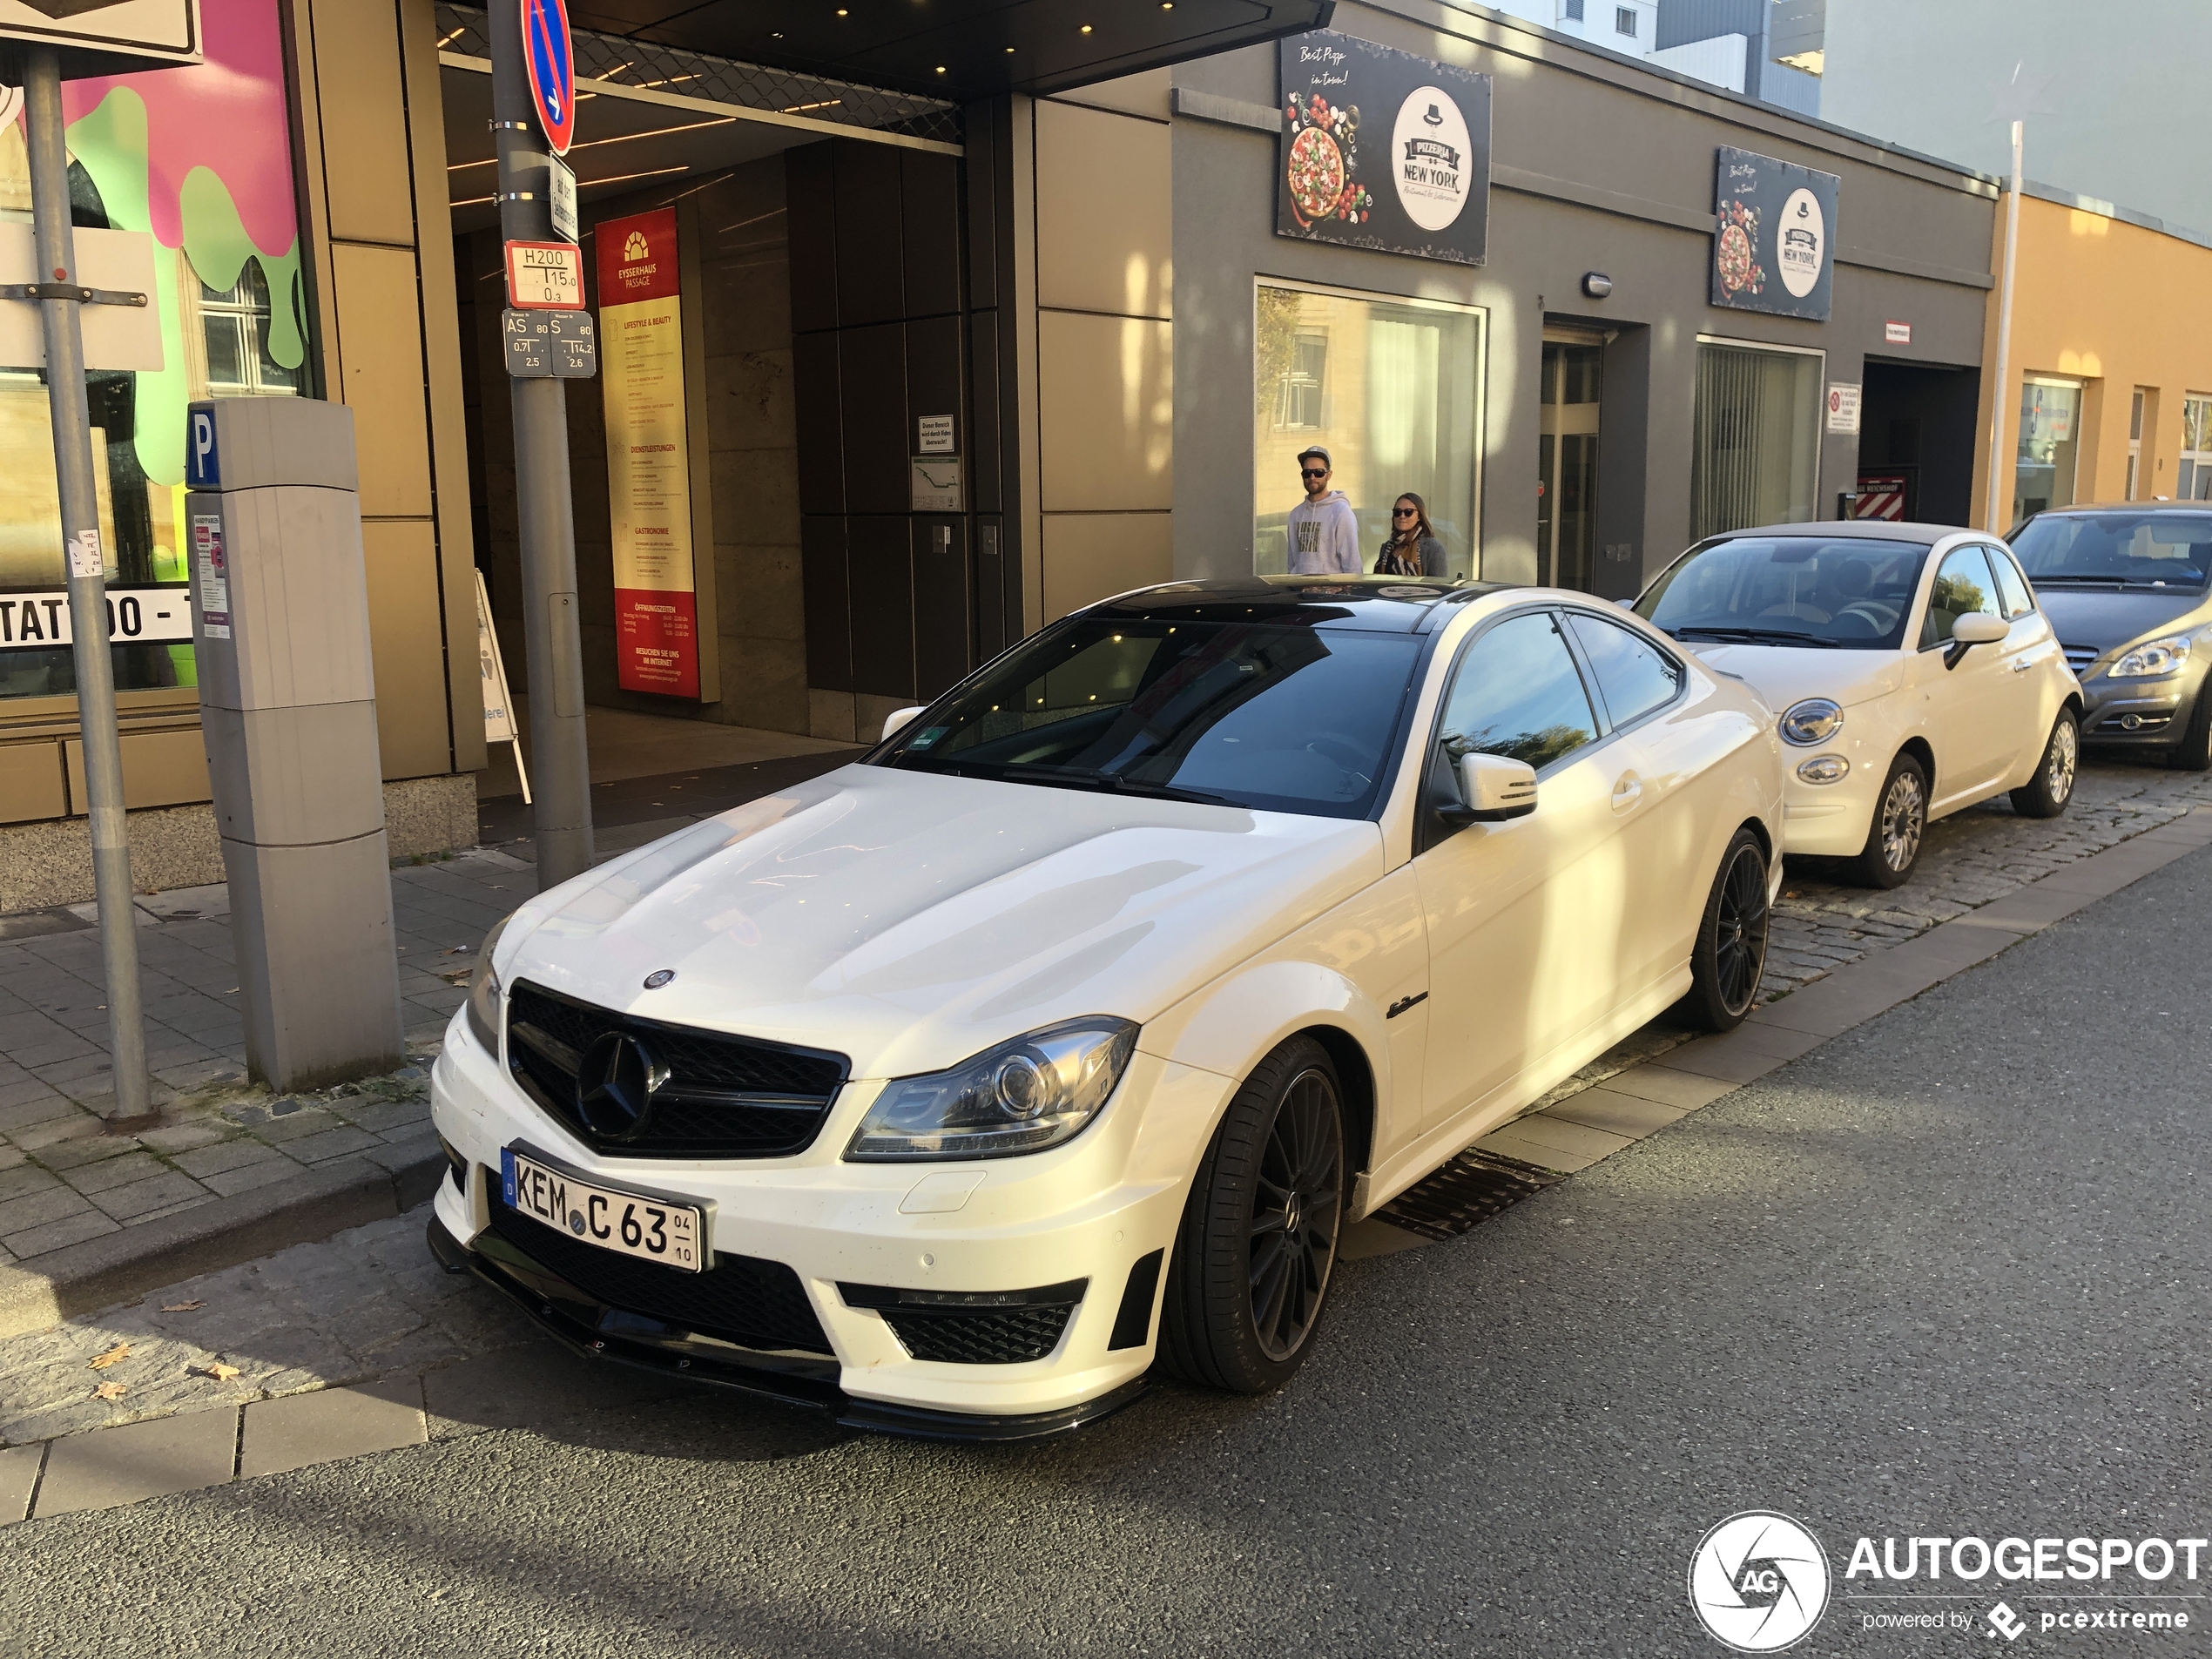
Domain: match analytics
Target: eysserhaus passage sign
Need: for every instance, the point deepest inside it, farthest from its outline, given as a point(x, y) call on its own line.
point(1383, 150)
point(1774, 235)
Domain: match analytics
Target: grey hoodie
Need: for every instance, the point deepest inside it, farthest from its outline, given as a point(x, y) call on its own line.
point(1325, 537)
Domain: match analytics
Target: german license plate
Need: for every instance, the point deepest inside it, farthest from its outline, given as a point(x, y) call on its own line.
point(646, 1225)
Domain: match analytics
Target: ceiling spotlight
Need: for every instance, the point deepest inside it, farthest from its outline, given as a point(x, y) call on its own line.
point(775, 34)
point(841, 11)
point(1009, 50)
point(1167, 5)
point(1086, 29)
point(940, 69)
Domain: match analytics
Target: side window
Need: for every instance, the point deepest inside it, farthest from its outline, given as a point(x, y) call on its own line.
point(1633, 677)
point(1519, 693)
point(2017, 602)
point(1962, 584)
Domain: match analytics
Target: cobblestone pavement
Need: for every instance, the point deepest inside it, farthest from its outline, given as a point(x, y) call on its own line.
point(63, 1180)
point(365, 1304)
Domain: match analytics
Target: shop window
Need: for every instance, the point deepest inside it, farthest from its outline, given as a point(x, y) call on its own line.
point(234, 325)
point(2049, 431)
point(2193, 469)
point(1755, 455)
point(1392, 388)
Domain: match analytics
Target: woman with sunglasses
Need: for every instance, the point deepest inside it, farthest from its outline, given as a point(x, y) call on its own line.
point(1412, 548)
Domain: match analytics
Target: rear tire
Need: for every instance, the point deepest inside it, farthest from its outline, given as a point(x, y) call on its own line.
point(1731, 953)
point(2046, 794)
point(1254, 1255)
point(2194, 752)
point(1900, 825)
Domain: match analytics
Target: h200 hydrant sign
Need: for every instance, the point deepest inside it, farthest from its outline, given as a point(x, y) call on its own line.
point(648, 460)
point(1383, 150)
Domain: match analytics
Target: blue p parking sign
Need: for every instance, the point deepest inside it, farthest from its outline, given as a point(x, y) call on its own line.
point(203, 470)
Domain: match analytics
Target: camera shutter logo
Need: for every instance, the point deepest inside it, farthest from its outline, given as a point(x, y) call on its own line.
point(1758, 1581)
point(1429, 153)
point(1801, 242)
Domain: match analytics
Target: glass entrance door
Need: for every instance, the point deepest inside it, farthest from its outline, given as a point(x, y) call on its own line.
point(1567, 463)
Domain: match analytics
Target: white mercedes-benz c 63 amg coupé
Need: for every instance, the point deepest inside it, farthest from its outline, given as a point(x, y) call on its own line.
point(1062, 1035)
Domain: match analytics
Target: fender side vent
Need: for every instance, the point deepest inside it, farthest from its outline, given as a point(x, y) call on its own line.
point(1133, 1323)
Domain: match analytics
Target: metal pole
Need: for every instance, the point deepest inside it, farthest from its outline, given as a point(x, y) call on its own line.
point(88, 612)
point(1998, 516)
point(546, 514)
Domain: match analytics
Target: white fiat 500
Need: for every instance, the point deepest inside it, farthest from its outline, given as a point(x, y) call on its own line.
point(1915, 674)
point(1070, 1028)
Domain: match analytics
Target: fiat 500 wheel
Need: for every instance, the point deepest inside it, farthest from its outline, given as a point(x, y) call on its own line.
point(1900, 824)
point(1730, 952)
point(2046, 794)
point(1258, 1240)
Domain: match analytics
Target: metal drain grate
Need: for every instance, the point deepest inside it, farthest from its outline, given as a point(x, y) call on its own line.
point(1463, 1194)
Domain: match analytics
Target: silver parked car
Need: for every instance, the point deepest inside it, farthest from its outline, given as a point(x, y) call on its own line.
point(2126, 589)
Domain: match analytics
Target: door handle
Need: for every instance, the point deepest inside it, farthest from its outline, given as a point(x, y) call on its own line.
point(2022, 666)
point(1626, 790)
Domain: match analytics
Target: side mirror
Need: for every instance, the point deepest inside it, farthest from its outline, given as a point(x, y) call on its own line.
point(898, 718)
point(1492, 787)
point(1980, 628)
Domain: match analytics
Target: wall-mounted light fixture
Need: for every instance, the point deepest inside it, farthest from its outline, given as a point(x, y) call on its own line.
point(1596, 284)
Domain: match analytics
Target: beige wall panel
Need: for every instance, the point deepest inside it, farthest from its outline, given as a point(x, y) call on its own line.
point(364, 134)
point(1143, 93)
point(1105, 225)
point(1106, 413)
point(1089, 556)
point(403, 640)
point(159, 769)
point(380, 331)
point(31, 782)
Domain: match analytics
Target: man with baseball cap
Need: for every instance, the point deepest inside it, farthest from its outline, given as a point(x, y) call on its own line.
point(1325, 532)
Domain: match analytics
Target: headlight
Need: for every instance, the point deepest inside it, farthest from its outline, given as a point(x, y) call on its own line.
point(2151, 658)
point(483, 991)
point(1815, 720)
point(1825, 769)
point(1022, 1097)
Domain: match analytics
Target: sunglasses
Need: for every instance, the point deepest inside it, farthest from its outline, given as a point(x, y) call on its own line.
point(1404, 512)
point(1314, 472)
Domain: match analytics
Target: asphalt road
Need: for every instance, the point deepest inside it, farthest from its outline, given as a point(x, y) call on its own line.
point(1944, 1276)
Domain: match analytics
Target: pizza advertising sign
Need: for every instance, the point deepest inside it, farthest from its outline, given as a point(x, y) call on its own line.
point(1773, 235)
point(1383, 150)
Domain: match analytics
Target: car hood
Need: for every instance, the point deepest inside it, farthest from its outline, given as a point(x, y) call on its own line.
point(907, 919)
point(1787, 674)
point(2099, 619)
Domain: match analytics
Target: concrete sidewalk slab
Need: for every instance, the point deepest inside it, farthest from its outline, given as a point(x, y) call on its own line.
point(1615, 1113)
point(329, 1424)
point(119, 1466)
point(19, 1466)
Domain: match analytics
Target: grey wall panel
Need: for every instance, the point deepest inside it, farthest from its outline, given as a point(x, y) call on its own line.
point(870, 283)
point(810, 187)
point(1623, 439)
point(817, 410)
point(943, 605)
point(979, 166)
point(872, 384)
point(983, 437)
point(881, 560)
point(930, 220)
point(829, 604)
point(934, 380)
point(990, 589)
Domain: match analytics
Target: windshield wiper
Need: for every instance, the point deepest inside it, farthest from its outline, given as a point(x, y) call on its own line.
point(1752, 635)
point(2179, 582)
point(1112, 783)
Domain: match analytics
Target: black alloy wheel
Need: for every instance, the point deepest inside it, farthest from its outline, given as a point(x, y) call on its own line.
point(2046, 794)
point(1258, 1246)
point(1730, 956)
point(1900, 825)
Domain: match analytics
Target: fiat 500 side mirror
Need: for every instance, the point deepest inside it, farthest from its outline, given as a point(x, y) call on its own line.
point(1492, 787)
point(1975, 628)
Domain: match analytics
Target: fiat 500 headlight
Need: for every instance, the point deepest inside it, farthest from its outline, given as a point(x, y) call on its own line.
point(1815, 720)
point(1022, 1097)
point(483, 991)
point(2151, 658)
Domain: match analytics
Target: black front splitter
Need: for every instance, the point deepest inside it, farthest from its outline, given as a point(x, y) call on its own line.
point(591, 1328)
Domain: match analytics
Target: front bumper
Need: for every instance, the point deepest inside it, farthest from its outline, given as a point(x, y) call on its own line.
point(2138, 713)
point(1827, 821)
point(1091, 1211)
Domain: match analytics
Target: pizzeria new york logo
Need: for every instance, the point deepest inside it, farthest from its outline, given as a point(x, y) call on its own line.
point(1429, 144)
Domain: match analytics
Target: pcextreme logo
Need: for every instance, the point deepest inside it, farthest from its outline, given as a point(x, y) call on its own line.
point(1759, 1581)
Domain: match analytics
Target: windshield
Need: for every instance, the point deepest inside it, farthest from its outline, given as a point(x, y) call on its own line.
point(2131, 550)
point(1279, 717)
point(1805, 590)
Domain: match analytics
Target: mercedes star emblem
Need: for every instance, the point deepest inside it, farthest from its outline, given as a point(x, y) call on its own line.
point(659, 977)
point(615, 1086)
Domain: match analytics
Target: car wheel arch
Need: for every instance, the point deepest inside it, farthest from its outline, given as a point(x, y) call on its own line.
point(1919, 748)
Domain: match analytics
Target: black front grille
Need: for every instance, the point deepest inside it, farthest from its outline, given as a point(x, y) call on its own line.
point(741, 1298)
point(2080, 656)
point(723, 1096)
point(996, 1336)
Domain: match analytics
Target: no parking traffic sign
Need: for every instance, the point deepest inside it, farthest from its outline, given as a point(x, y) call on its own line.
point(552, 69)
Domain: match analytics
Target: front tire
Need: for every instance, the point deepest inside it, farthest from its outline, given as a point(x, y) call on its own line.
point(1258, 1242)
point(1900, 825)
point(2046, 794)
point(1731, 953)
point(2194, 752)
